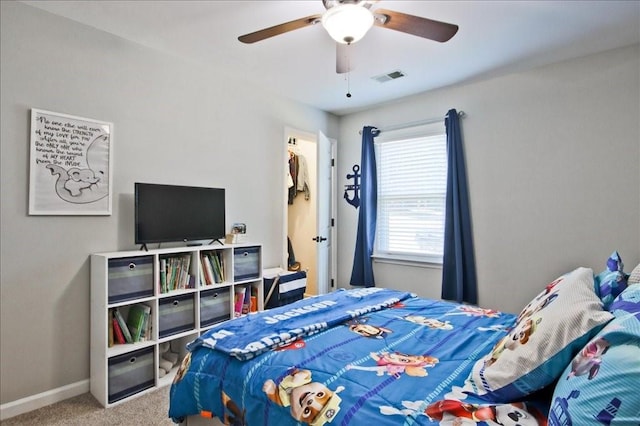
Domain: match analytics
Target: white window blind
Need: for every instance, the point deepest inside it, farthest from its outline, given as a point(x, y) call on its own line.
point(412, 180)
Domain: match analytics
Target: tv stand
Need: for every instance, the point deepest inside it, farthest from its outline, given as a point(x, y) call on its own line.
point(144, 247)
point(189, 290)
point(217, 240)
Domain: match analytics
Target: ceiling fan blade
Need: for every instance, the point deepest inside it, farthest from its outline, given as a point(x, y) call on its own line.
point(410, 24)
point(343, 58)
point(280, 29)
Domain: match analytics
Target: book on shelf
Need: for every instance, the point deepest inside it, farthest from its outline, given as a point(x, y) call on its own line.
point(135, 320)
point(146, 326)
point(246, 303)
point(187, 279)
point(163, 275)
point(182, 271)
point(145, 323)
point(216, 278)
point(238, 301)
point(203, 275)
point(219, 265)
point(213, 267)
point(117, 332)
point(253, 307)
point(208, 272)
point(171, 273)
point(123, 325)
point(110, 328)
point(221, 261)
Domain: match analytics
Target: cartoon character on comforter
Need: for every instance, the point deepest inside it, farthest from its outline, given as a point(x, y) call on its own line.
point(311, 402)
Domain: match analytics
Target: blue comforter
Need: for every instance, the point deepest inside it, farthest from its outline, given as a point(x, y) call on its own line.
point(359, 357)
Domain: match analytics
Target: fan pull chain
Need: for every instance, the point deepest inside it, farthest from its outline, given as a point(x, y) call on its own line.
point(349, 74)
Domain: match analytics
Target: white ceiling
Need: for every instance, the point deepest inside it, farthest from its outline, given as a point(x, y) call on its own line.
point(495, 38)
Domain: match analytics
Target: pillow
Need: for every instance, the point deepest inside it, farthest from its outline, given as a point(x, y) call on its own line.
point(600, 386)
point(634, 276)
point(549, 331)
point(627, 302)
point(612, 281)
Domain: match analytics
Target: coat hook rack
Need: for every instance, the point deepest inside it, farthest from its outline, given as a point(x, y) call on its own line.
point(355, 187)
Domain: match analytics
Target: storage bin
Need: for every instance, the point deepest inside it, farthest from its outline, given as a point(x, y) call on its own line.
point(215, 306)
point(130, 278)
point(246, 263)
point(130, 373)
point(176, 314)
point(290, 288)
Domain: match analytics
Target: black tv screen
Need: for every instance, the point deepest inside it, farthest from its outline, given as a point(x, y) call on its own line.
point(165, 213)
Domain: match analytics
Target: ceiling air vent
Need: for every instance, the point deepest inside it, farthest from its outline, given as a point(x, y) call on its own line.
point(388, 77)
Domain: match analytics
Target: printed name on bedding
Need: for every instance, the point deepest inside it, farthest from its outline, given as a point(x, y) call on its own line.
point(214, 338)
point(299, 311)
point(364, 291)
point(329, 303)
point(283, 338)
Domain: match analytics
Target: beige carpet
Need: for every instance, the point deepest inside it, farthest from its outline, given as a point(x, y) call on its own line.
point(84, 410)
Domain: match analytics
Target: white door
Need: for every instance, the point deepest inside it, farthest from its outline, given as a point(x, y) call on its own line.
point(324, 203)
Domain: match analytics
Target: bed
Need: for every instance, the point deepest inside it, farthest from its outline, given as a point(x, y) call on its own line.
point(380, 356)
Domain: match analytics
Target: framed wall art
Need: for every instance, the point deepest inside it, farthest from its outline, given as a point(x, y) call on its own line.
point(70, 165)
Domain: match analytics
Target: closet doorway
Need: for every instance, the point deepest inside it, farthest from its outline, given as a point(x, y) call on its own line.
point(309, 208)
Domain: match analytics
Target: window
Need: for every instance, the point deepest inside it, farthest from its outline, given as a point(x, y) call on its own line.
point(412, 182)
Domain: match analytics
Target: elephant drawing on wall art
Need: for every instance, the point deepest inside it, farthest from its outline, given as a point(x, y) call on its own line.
point(85, 185)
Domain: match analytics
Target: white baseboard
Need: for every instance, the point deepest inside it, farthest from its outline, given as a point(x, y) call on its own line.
point(30, 403)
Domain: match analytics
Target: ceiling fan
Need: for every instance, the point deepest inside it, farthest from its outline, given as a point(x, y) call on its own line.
point(347, 21)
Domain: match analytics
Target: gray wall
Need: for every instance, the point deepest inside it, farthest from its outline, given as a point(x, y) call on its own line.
point(174, 122)
point(553, 160)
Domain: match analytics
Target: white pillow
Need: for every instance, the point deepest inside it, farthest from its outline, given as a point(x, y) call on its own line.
point(550, 330)
point(634, 277)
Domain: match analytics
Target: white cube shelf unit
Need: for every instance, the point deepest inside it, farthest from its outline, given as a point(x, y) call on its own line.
point(186, 290)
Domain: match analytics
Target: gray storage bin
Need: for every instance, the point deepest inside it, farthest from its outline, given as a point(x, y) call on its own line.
point(130, 278)
point(131, 373)
point(176, 314)
point(215, 306)
point(246, 263)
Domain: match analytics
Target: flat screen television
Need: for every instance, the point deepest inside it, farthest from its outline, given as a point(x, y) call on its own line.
point(170, 213)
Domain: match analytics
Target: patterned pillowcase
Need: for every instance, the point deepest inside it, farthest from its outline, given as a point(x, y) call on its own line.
point(627, 302)
point(600, 386)
point(612, 281)
point(634, 276)
point(550, 330)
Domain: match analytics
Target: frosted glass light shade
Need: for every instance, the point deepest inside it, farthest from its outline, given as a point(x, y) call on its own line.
point(347, 23)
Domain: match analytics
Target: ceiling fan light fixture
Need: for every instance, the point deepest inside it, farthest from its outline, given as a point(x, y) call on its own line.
point(347, 23)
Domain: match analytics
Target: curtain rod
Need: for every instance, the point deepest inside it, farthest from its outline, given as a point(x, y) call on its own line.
point(461, 114)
